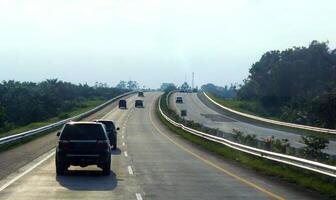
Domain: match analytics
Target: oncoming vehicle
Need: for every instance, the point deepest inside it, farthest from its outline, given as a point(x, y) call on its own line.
point(179, 100)
point(139, 104)
point(123, 104)
point(83, 144)
point(111, 131)
point(141, 94)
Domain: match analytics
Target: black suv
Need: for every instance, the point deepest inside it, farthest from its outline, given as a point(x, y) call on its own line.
point(141, 94)
point(83, 144)
point(179, 100)
point(122, 103)
point(139, 104)
point(111, 131)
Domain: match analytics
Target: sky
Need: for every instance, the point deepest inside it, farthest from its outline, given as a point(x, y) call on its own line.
point(153, 41)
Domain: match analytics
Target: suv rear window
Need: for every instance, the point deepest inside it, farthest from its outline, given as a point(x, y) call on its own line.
point(109, 125)
point(83, 132)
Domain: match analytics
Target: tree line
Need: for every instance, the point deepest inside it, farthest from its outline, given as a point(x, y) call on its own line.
point(226, 92)
point(296, 85)
point(22, 103)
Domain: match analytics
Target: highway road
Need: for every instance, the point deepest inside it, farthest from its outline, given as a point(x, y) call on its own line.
point(213, 118)
point(151, 163)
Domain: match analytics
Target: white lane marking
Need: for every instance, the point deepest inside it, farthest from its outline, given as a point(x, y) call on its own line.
point(108, 113)
point(125, 153)
point(122, 136)
point(26, 172)
point(130, 170)
point(123, 144)
point(138, 196)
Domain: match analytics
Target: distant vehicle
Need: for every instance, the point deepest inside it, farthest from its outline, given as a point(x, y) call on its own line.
point(179, 99)
point(183, 113)
point(83, 144)
point(111, 131)
point(139, 104)
point(141, 94)
point(123, 103)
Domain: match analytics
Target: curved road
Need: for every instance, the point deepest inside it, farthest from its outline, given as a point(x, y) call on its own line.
point(201, 113)
point(150, 163)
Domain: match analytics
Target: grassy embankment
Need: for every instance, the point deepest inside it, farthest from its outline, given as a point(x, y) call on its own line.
point(254, 108)
point(249, 107)
point(85, 106)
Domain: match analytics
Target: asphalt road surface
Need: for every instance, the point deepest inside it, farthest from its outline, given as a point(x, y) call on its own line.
point(151, 163)
point(212, 118)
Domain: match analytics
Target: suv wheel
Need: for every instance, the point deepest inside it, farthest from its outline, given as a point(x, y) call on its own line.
point(60, 169)
point(107, 168)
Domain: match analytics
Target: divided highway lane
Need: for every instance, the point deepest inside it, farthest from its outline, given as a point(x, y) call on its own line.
point(13, 159)
point(201, 113)
point(151, 163)
point(42, 183)
point(168, 167)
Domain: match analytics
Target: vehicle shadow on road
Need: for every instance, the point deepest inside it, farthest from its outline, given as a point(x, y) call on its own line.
point(87, 180)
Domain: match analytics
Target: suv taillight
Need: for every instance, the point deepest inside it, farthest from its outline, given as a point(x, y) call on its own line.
point(102, 144)
point(64, 144)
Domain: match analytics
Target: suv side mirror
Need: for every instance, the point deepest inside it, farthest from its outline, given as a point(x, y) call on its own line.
point(118, 128)
point(58, 134)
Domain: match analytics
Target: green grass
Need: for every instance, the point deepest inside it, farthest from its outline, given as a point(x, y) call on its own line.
point(253, 108)
point(316, 182)
point(87, 105)
point(249, 107)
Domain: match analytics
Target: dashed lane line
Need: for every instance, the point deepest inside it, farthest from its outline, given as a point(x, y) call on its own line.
point(130, 170)
point(138, 196)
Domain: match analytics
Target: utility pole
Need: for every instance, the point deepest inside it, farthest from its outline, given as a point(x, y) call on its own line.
point(193, 81)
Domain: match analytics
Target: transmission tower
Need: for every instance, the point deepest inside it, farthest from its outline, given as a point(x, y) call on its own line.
point(193, 80)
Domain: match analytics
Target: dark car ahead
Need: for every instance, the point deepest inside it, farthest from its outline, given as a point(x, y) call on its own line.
point(141, 94)
point(122, 103)
point(111, 131)
point(139, 104)
point(83, 144)
point(179, 100)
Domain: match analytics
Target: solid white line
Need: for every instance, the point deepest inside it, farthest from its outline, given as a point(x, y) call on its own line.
point(26, 172)
point(113, 109)
point(125, 153)
point(138, 196)
point(130, 171)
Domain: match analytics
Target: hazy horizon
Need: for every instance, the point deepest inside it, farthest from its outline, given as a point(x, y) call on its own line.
point(153, 41)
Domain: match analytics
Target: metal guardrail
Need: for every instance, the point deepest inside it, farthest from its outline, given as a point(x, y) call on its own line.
point(12, 138)
point(281, 158)
point(270, 121)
